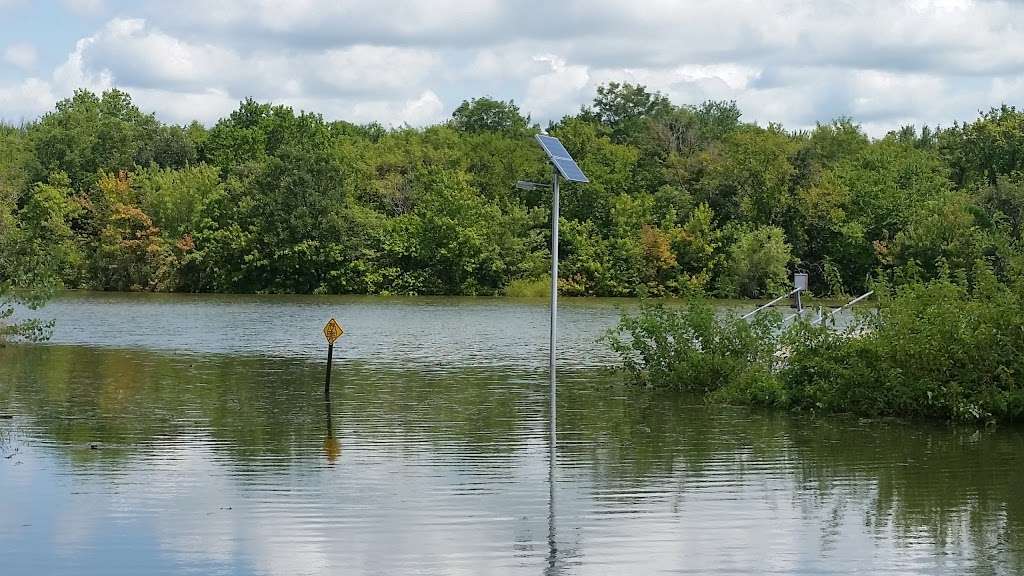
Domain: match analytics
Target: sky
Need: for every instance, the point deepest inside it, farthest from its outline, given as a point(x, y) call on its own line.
point(884, 63)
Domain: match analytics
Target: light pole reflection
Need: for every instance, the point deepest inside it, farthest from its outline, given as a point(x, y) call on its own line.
point(553, 566)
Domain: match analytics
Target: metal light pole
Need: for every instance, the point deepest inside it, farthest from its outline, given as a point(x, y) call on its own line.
point(562, 166)
point(553, 336)
point(553, 438)
point(554, 296)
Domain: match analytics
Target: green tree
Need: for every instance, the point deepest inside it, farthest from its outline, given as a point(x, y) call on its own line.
point(985, 149)
point(1003, 203)
point(45, 219)
point(696, 245)
point(88, 134)
point(942, 234)
point(27, 280)
point(18, 165)
point(624, 108)
point(455, 242)
point(271, 199)
point(177, 147)
point(130, 254)
point(756, 266)
point(750, 177)
point(609, 166)
point(584, 255)
point(181, 202)
point(489, 115)
point(34, 236)
point(829, 239)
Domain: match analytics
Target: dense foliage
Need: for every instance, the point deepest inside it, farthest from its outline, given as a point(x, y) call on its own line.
point(946, 348)
point(30, 240)
point(684, 199)
point(694, 349)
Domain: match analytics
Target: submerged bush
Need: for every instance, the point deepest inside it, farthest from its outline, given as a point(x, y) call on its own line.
point(942, 349)
point(693, 348)
point(938, 349)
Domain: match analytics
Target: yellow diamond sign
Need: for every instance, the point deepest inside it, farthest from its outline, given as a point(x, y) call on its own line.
point(333, 331)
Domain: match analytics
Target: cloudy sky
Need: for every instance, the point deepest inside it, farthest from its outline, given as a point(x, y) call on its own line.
point(883, 62)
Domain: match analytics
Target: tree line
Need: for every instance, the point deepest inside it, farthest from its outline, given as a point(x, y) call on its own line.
point(684, 199)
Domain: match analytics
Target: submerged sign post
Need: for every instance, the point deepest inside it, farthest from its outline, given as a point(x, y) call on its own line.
point(332, 331)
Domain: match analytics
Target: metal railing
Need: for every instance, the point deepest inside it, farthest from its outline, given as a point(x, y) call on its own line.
point(770, 304)
point(821, 319)
point(791, 317)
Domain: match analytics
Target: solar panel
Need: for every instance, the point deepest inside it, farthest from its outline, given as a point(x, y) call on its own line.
point(570, 170)
point(560, 157)
point(553, 146)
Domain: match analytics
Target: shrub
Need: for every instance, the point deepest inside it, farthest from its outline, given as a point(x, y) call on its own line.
point(694, 349)
point(941, 349)
point(831, 372)
point(529, 288)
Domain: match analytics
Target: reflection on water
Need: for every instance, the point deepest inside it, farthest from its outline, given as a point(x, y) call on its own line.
point(332, 446)
point(221, 464)
point(553, 563)
point(135, 461)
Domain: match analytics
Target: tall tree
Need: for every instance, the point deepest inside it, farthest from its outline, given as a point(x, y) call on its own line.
point(489, 115)
point(88, 134)
point(624, 108)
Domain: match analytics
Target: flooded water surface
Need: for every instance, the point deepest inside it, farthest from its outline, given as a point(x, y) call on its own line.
point(193, 435)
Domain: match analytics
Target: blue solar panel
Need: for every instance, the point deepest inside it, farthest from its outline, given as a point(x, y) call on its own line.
point(560, 157)
point(553, 146)
point(570, 171)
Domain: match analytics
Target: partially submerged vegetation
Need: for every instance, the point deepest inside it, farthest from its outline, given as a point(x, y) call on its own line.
point(27, 277)
point(947, 348)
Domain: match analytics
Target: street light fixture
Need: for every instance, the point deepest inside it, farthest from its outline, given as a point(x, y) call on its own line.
point(531, 186)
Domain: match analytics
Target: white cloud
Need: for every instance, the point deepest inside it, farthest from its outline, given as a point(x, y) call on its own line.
point(74, 72)
point(507, 63)
point(425, 109)
point(916, 34)
point(419, 110)
point(364, 68)
point(884, 62)
point(21, 54)
point(182, 107)
point(134, 53)
point(26, 100)
point(554, 92)
point(137, 54)
point(334, 23)
point(184, 80)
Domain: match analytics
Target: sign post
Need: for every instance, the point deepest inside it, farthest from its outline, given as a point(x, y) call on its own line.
point(332, 331)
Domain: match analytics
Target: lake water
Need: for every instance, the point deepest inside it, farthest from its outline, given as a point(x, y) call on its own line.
point(192, 435)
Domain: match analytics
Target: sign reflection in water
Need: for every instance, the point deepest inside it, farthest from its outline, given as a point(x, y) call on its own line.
point(332, 446)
